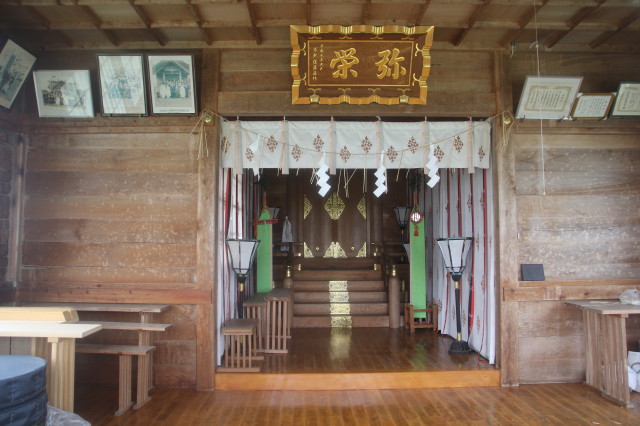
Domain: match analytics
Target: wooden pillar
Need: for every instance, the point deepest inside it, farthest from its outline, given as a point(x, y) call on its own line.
point(507, 255)
point(208, 170)
point(394, 299)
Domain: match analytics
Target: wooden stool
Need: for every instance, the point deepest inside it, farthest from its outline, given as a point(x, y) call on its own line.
point(256, 308)
point(278, 327)
point(410, 321)
point(238, 348)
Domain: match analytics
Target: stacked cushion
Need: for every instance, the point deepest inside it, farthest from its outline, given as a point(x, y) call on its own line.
point(23, 394)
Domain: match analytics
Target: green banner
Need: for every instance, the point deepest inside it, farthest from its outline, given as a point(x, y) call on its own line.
point(418, 273)
point(265, 255)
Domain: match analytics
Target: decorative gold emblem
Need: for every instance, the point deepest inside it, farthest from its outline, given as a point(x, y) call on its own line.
point(363, 251)
point(335, 251)
point(307, 251)
point(307, 207)
point(362, 207)
point(341, 322)
point(334, 206)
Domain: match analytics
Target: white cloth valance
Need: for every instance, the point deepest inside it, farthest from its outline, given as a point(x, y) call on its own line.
point(354, 145)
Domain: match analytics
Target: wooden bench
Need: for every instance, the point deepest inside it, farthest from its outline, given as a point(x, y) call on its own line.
point(412, 323)
point(146, 312)
point(52, 313)
point(239, 352)
point(124, 352)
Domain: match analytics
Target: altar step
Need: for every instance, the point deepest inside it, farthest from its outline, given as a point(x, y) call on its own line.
point(333, 381)
point(339, 293)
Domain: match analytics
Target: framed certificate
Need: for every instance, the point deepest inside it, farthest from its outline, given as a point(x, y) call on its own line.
point(627, 101)
point(548, 97)
point(592, 106)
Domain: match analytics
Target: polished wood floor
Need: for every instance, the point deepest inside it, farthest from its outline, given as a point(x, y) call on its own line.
point(317, 352)
point(558, 404)
point(369, 349)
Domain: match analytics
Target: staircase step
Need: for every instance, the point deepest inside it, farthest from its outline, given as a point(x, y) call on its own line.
point(340, 309)
point(337, 274)
point(324, 321)
point(327, 263)
point(337, 285)
point(341, 296)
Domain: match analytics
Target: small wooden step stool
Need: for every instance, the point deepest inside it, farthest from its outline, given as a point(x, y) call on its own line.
point(410, 322)
point(256, 308)
point(239, 352)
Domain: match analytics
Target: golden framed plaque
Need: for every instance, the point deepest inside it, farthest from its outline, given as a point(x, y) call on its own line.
point(360, 64)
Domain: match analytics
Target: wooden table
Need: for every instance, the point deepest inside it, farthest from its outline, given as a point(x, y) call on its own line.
point(61, 338)
point(606, 346)
point(146, 311)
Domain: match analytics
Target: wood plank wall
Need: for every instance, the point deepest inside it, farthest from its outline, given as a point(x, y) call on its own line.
point(582, 224)
point(258, 83)
point(110, 216)
point(111, 205)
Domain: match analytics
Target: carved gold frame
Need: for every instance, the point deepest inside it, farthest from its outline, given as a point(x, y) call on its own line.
point(376, 33)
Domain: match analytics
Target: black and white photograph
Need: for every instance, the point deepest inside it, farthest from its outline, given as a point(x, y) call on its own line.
point(122, 84)
point(171, 84)
point(63, 93)
point(15, 64)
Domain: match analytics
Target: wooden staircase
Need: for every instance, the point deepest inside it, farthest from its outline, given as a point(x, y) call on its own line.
point(339, 293)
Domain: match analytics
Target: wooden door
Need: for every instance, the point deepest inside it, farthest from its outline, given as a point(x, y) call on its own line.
point(335, 225)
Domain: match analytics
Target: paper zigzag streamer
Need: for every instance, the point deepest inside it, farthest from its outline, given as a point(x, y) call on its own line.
point(433, 170)
point(323, 178)
point(381, 182)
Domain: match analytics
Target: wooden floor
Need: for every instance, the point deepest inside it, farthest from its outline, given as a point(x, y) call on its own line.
point(364, 358)
point(560, 404)
point(366, 352)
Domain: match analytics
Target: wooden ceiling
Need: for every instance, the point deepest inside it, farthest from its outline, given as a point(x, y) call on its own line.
point(557, 25)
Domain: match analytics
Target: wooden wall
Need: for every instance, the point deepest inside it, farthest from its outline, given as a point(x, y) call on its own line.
point(582, 223)
point(259, 83)
point(121, 209)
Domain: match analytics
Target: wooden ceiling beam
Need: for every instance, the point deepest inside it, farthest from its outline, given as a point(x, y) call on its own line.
point(147, 22)
point(89, 13)
point(308, 12)
point(44, 22)
point(512, 35)
point(582, 14)
point(480, 10)
point(366, 12)
point(422, 12)
point(254, 27)
point(195, 14)
point(621, 26)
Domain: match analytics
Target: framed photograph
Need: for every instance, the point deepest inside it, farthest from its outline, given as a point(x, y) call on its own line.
point(171, 83)
point(122, 84)
point(627, 100)
point(63, 93)
point(592, 106)
point(15, 64)
point(548, 97)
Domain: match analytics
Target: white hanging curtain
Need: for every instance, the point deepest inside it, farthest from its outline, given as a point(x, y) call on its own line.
point(462, 206)
point(354, 145)
point(230, 225)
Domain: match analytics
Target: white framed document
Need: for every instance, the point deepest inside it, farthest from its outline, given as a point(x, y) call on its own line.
point(627, 100)
point(548, 97)
point(592, 106)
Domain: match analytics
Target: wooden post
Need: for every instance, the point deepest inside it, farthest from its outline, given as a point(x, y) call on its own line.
point(507, 229)
point(394, 299)
point(208, 169)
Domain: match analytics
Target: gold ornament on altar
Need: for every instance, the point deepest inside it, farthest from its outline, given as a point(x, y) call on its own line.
point(334, 206)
